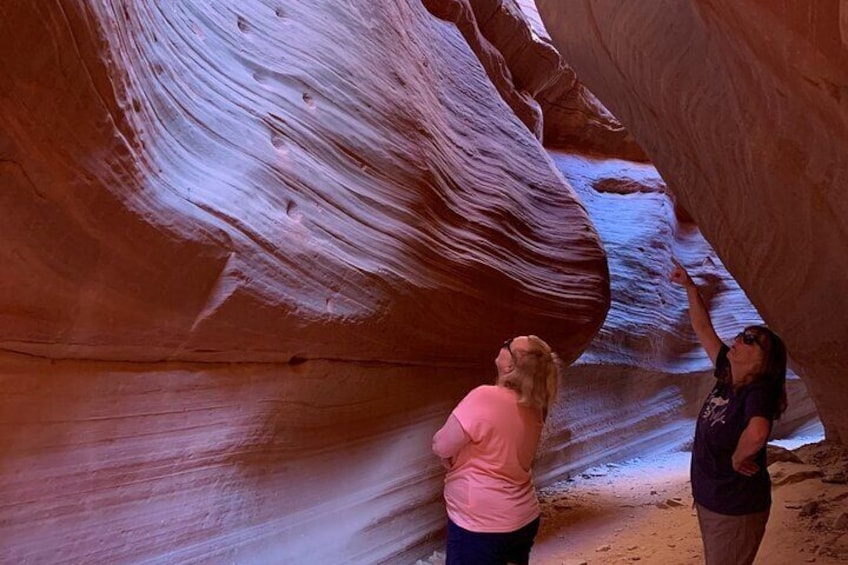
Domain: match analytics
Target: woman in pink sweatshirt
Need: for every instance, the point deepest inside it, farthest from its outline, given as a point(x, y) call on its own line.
point(487, 446)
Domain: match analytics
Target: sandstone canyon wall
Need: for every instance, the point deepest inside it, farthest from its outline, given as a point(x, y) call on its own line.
point(256, 251)
point(253, 253)
point(742, 107)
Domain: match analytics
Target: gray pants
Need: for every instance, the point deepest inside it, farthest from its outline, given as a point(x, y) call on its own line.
point(731, 540)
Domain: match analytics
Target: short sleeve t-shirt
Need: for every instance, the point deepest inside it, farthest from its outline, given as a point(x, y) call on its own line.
point(490, 486)
point(724, 416)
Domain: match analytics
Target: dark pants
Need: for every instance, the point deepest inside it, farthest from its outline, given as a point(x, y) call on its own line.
point(475, 548)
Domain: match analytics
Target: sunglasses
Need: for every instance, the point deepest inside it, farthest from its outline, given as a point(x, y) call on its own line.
point(748, 338)
point(506, 345)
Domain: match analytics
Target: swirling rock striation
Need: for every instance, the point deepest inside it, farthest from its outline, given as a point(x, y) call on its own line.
point(253, 252)
point(242, 183)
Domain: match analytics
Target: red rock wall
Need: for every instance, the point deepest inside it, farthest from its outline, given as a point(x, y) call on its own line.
point(741, 105)
point(302, 189)
point(247, 463)
point(255, 253)
point(252, 255)
point(532, 78)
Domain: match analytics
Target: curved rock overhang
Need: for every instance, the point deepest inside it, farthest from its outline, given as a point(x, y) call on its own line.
point(742, 107)
point(244, 183)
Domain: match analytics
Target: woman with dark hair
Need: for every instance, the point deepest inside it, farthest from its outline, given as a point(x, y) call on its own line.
point(730, 483)
point(487, 446)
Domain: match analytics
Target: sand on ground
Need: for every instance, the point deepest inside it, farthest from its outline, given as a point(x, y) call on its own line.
point(641, 512)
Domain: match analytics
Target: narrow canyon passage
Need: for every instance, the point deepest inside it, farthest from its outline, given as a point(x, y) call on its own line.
point(254, 251)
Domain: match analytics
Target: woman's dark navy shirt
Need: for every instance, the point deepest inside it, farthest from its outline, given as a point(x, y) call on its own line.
point(725, 414)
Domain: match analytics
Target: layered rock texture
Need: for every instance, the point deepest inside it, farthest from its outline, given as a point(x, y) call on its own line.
point(253, 254)
point(742, 107)
point(236, 184)
point(256, 251)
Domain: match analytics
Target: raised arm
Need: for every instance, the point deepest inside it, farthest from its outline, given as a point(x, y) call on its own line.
point(698, 314)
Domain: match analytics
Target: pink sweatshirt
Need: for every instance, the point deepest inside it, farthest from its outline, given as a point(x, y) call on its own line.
point(489, 486)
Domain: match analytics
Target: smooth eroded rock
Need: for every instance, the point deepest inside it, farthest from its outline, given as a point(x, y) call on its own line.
point(741, 106)
point(252, 183)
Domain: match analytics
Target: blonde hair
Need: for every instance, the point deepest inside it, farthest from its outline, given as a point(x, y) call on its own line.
point(535, 377)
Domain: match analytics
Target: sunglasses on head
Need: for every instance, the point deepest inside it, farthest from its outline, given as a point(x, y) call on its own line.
point(748, 338)
point(506, 344)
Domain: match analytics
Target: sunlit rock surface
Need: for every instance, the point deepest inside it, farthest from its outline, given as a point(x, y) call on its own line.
point(253, 253)
point(639, 386)
point(742, 107)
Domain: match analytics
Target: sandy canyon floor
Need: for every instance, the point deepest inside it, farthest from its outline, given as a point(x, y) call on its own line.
point(641, 512)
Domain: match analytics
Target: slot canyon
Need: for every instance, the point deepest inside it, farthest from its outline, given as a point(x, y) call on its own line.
point(256, 251)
